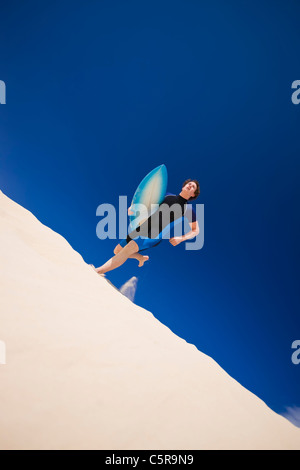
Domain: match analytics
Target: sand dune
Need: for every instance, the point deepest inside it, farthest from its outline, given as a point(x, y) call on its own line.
point(87, 369)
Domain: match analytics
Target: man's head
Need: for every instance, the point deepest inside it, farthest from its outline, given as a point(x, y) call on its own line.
point(191, 188)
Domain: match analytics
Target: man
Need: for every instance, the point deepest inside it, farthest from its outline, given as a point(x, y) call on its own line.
point(151, 232)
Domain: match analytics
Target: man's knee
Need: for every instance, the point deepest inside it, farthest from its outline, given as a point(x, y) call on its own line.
point(132, 247)
point(117, 249)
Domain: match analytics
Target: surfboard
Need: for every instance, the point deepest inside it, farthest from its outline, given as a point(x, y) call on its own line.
point(151, 190)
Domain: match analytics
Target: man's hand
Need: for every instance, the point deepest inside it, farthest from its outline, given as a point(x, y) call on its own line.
point(130, 212)
point(176, 240)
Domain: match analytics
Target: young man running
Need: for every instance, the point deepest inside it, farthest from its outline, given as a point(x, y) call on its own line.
point(150, 233)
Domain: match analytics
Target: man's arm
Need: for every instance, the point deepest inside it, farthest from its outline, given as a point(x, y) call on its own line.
point(191, 234)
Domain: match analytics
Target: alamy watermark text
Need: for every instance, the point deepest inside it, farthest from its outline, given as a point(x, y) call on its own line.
point(168, 218)
point(296, 94)
point(296, 353)
point(2, 92)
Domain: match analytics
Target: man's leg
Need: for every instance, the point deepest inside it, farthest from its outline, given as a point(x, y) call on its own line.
point(119, 258)
point(141, 258)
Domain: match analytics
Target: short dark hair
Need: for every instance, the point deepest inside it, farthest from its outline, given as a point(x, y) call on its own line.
point(197, 191)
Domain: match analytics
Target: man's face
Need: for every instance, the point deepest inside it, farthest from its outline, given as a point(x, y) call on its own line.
point(190, 188)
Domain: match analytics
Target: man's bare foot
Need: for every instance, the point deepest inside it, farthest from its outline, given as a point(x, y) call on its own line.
point(97, 270)
point(142, 261)
point(100, 274)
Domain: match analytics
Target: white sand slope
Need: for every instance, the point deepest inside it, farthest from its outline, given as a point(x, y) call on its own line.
point(88, 369)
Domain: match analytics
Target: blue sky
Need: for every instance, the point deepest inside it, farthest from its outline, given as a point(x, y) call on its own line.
point(101, 92)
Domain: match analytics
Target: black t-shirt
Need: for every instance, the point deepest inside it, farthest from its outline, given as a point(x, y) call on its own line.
point(172, 208)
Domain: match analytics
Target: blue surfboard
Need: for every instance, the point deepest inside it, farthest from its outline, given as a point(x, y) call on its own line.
point(151, 190)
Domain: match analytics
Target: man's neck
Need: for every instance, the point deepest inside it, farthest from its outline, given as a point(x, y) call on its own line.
point(184, 195)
